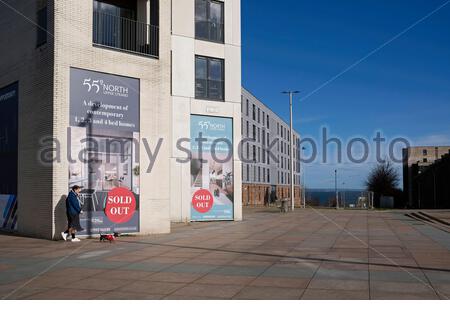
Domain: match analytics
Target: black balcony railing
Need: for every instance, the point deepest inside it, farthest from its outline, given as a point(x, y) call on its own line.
point(125, 34)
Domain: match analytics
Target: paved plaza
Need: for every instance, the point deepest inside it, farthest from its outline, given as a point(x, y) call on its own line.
point(308, 254)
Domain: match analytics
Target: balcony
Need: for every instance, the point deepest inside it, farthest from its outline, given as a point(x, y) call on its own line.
point(125, 34)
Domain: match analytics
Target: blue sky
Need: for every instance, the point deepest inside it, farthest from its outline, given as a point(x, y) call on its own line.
point(403, 90)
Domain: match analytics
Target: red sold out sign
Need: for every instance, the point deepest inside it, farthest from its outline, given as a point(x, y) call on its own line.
point(120, 205)
point(202, 201)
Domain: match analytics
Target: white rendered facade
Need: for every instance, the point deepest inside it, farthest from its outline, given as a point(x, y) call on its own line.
point(185, 47)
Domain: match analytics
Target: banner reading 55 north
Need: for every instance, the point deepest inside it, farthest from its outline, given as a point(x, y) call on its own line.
point(212, 168)
point(104, 137)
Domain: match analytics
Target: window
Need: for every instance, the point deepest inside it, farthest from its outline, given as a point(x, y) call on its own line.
point(209, 78)
point(209, 20)
point(41, 27)
point(254, 153)
point(259, 115)
point(263, 117)
point(248, 133)
point(268, 127)
point(425, 160)
point(259, 135)
point(247, 109)
point(254, 133)
point(254, 113)
point(425, 152)
point(268, 175)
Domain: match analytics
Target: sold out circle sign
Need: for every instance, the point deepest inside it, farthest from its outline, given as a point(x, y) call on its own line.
point(120, 205)
point(202, 201)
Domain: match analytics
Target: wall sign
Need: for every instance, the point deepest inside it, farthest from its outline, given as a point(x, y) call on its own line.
point(104, 135)
point(212, 183)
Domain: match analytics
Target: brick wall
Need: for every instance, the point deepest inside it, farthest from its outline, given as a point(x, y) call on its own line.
point(74, 48)
point(32, 67)
point(256, 194)
point(43, 75)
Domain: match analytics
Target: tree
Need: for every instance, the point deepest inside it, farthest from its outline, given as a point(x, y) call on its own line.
point(383, 180)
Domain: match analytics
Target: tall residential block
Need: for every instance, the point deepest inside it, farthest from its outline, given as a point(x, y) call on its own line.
point(266, 154)
point(98, 93)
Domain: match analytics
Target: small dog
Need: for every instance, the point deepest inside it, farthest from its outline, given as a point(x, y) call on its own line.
point(108, 237)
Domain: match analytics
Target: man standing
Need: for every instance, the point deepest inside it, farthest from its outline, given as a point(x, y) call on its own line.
point(73, 214)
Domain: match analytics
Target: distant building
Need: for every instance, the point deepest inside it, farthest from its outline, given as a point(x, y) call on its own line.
point(415, 161)
point(263, 175)
point(433, 185)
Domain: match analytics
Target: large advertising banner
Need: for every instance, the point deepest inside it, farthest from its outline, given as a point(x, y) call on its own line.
point(9, 138)
point(212, 183)
point(104, 150)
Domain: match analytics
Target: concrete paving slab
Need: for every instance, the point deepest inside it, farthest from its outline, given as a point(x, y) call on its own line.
point(336, 254)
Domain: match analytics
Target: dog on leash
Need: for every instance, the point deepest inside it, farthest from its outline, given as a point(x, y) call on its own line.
point(108, 237)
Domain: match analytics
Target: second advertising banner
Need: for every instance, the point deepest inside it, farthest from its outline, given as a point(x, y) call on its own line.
point(212, 183)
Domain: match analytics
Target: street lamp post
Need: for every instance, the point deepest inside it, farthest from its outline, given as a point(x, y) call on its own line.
point(291, 94)
point(336, 189)
point(304, 182)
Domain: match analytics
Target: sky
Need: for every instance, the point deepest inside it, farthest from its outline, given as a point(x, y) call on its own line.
point(401, 88)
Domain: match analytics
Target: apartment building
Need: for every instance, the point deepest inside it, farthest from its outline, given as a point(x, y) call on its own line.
point(266, 154)
point(97, 93)
point(415, 161)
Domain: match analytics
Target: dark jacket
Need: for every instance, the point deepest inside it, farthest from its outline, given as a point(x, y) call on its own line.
point(73, 204)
